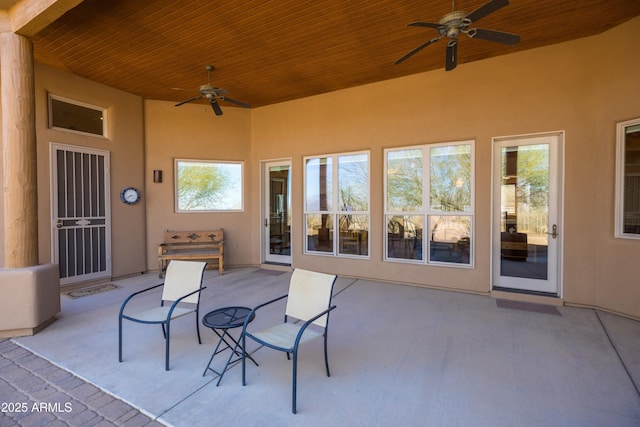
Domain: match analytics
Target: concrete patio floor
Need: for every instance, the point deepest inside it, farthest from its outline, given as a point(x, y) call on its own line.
point(399, 355)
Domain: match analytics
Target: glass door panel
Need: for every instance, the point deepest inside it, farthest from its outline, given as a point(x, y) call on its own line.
point(277, 212)
point(526, 214)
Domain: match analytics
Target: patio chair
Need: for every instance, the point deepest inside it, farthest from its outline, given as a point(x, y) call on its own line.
point(308, 301)
point(181, 291)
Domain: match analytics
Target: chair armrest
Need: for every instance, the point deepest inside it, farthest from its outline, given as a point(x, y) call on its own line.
point(310, 321)
point(176, 302)
point(126, 301)
point(253, 311)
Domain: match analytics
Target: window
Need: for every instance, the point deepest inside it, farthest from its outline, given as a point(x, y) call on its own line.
point(208, 186)
point(77, 117)
point(429, 186)
point(628, 180)
point(337, 204)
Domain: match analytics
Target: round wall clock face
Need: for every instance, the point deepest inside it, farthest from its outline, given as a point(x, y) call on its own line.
point(130, 196)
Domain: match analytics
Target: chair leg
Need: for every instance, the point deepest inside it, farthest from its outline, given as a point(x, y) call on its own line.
point(166, 355)
point(119, 339)
point(326, 359)
point(198, 326)
point(295, 375)
point(164, 332)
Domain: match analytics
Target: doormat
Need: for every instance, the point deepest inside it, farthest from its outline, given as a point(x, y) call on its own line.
point(92, 290)
point(269, 272)
point(528, 306)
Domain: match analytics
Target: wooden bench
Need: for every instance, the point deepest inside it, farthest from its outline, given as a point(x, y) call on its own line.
point(191, 245)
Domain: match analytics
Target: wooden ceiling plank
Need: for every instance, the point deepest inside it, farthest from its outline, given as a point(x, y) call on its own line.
point(270, 51)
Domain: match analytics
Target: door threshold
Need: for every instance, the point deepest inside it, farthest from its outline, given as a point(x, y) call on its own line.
point(527, 296)
point(276, 266)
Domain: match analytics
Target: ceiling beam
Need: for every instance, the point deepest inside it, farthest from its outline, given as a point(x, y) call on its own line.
point(28, 17)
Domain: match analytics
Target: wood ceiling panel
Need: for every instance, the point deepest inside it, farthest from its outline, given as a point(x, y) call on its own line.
point(272, 51)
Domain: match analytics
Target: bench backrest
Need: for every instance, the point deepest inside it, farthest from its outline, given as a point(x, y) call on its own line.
point(185, 237)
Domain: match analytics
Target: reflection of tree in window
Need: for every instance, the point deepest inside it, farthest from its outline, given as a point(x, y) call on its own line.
point(449, 179)
point(530, 180)
point(404, 180)
point(353, 189)
point(353, 182)
point(450, 182)
point(203, 187)
point(342, 203)
point(319, 184)
point(533, 177)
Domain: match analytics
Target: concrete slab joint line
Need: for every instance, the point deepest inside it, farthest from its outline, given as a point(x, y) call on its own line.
point(615, 348)
point(35, 392)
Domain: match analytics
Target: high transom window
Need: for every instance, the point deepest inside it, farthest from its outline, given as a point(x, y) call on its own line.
point(337, 204)
point(429, 188)
point(77, 117)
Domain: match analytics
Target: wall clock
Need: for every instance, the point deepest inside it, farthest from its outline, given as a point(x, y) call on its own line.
point(130, 195)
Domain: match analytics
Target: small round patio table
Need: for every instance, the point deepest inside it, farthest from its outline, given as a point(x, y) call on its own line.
point(221, 321)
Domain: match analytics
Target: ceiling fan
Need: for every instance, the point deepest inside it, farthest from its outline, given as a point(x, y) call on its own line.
point(456, 22)
point(214, 94)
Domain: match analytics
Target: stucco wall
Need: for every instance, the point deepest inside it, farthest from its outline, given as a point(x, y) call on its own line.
point(125, 143)
point(583, 88)
point(193, 131)
point(616, 267)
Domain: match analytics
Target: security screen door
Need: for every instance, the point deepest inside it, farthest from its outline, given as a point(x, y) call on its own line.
point(81, 230)
point(526, 213)
point(277, 212)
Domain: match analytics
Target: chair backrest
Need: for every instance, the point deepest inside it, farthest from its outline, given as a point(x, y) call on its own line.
point(181, 278)
point(309, 295)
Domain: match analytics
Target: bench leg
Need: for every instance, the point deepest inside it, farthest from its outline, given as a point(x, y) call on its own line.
point(160, 269)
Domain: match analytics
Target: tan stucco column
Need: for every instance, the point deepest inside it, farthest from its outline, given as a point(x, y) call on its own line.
point(19, 151)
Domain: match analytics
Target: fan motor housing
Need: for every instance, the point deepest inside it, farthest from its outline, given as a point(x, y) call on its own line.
point(453, 23)
point(209, 91)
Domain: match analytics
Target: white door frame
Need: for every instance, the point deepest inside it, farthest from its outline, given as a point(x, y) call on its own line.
point(89, 224)
point(266, 220)
point(553, 285)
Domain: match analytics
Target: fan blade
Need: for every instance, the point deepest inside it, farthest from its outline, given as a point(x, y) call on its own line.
point(452, 55)
point(494, 36)
point(425, 24)
point(486, 9)
point(418, 49)
point(188, 100)
point(216, 107)
point(234, 101)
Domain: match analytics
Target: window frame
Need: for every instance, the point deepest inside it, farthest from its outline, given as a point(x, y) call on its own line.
point(426, 211)
point(621, 143)
point(104, 111)
point(335, 212)
point(176, 184)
